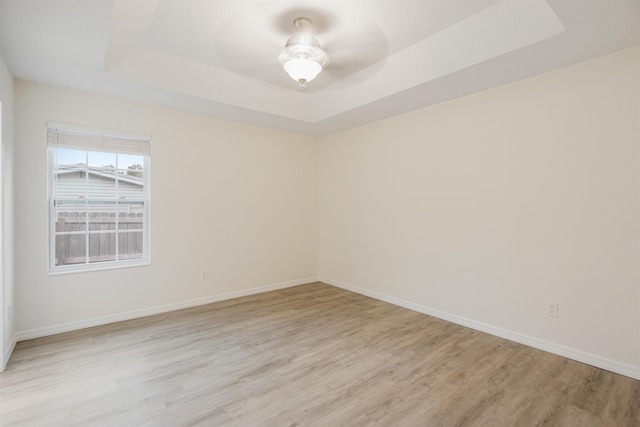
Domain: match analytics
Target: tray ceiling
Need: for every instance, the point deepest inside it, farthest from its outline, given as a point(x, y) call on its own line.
point(386, 57)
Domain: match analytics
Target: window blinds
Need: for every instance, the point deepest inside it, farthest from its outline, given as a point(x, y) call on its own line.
point(94, 139)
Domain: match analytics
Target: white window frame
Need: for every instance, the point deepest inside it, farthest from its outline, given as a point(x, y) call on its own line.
point(102, 141)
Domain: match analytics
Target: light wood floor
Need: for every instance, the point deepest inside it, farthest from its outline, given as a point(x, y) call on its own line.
point(312, 355)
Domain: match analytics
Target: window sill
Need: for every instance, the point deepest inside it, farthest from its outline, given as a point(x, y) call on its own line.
point(88, 268)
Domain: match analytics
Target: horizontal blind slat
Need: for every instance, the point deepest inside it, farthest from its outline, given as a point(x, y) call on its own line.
point(93, 139)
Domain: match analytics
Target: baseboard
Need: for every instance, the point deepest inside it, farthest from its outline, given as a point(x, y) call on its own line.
point(103, 320)
point(568, 352)
point(9, 351)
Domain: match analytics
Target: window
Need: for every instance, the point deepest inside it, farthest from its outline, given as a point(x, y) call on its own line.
point(98, 198)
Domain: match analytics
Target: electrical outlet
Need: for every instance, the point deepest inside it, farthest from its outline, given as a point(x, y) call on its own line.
point(350, 266)
point(552, 309)
point(204, 274)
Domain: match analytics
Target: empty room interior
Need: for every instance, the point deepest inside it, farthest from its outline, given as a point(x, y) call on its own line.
point(320, 213)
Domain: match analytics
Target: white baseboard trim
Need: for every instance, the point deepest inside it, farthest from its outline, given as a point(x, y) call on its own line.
point(568, 352)
point(9, 351)
point(111, 318)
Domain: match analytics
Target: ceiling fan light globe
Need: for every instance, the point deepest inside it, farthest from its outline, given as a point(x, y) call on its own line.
point(302, 70)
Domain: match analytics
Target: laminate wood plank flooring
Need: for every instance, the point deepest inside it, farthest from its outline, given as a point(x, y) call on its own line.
point(312, 355)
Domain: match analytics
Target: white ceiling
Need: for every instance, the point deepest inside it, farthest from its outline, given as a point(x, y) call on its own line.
point(386, 56)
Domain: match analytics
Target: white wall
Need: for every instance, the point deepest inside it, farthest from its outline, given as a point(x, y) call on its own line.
point(7, 299)
point(484, 208)
point(237, 200)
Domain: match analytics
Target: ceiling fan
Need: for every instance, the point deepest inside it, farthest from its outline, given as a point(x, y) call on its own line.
point(303, 58)
point(325, 47)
